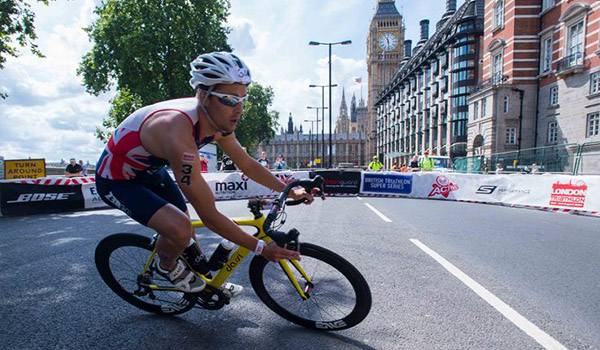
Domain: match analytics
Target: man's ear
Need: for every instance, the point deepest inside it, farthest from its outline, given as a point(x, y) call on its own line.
point(202, 96)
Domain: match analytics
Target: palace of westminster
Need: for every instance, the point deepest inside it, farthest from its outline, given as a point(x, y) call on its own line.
point(495, 76)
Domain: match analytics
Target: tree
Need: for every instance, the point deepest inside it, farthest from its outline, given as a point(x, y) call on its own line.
point(257, 122)
point(16, 19)
point(144, 49)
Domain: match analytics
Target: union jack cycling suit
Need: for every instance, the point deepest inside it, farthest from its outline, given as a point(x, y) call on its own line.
point(130, 178)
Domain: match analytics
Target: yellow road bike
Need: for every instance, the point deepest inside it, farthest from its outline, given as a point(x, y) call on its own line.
point(321, 291)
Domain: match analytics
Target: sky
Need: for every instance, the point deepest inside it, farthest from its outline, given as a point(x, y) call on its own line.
point(49, 115)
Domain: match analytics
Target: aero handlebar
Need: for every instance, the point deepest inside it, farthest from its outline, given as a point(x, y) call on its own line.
point(282, 238)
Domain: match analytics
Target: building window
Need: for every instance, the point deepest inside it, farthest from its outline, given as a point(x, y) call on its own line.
point(498, 15)
point(575, 40)
point(511, 136)
point(497, 69)
point(595, 83)
point(546, 4)
point(475, 110)
point(546, 64)
point(554, 96)
point(593, 124)
point(505, 104)
point(483, 106)
point(552, 132)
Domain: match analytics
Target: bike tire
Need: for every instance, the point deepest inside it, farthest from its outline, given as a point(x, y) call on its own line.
point(130, 252)
point(332, 277)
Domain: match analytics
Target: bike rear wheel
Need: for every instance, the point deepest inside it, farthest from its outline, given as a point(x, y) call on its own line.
point(340, 297)
point(120, 259)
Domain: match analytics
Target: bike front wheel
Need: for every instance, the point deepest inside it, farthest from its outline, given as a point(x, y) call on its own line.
point(120, 260)
point(338, 295)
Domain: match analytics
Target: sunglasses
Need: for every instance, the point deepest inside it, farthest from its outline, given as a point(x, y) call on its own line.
point(230, 100)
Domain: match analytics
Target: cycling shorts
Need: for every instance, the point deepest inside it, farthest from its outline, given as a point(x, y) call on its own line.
point(143, 196)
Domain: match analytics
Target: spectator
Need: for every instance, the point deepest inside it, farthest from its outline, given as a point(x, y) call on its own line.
point(263, 160)
point(73, 169)
point(535, 169)
point(395, 167)
point(203, 164)
point(375, 165)
point(403, 168)
point(414, 162)
point(83, 168)
point(280, 163)
point(427, 163)
point(499, 168)
point(227, 164)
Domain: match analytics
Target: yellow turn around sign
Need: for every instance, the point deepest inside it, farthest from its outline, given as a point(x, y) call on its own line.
point(24, 168)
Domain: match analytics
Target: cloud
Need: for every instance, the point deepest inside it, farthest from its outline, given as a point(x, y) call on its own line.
point(48, 113)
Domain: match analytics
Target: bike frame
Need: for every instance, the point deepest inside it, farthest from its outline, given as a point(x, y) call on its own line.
point(237, 257)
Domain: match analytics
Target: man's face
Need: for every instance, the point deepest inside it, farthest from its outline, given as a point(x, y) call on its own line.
point(263, 155)
point(226, 117)
point(73, 162)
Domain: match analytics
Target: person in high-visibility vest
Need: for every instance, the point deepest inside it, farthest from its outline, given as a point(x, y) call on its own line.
point(375, 164)
point(427, 163)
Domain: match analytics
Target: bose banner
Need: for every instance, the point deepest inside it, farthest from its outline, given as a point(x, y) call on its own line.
point(21, 199)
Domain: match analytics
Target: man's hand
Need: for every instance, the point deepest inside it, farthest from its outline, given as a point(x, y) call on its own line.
point(274, 253)
point(300, 193)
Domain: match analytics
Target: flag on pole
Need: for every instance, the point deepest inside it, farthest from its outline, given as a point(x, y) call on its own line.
point(358, 80)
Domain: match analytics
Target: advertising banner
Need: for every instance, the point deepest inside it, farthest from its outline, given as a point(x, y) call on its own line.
point(387, 183)
point(91, 198)
point(20, 199)
point(238, 186)
point(24, 168)
point(336, 181)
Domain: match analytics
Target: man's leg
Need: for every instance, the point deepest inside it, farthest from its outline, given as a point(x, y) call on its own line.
point(174, 230)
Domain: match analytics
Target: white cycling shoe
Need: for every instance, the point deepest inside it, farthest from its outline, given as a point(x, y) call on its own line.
point(181, 277)
point(232, 290)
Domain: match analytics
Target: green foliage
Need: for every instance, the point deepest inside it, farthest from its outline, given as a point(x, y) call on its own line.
point(146, 47)
point(257, 122)
point(123, 104)
point(16, 21)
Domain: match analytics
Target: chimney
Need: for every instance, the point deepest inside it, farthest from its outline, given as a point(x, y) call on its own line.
point(450, 6)
point(407, 49)
point(424, 30)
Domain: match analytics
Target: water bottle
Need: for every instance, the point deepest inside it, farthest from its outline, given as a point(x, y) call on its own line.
point(194, 255)
point(220, 255)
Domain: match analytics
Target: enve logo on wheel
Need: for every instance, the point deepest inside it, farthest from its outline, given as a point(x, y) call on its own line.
point(443, 187)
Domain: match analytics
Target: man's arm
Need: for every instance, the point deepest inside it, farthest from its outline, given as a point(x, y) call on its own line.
point(255, 171)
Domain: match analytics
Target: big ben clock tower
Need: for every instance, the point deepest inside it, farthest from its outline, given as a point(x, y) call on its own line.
point(384, 53)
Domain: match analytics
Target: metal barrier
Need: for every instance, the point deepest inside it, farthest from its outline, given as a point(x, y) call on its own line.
point(568, 158)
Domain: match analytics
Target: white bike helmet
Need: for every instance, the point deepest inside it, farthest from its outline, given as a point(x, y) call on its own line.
point(215, 68)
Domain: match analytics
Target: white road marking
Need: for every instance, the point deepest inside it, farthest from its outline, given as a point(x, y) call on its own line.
point(543, 338)
point(357, 197)
point(385, 218)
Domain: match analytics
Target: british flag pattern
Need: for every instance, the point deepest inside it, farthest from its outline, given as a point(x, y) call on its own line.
point(124, 157)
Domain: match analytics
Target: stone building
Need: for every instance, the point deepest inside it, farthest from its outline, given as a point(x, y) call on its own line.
point(425, 104)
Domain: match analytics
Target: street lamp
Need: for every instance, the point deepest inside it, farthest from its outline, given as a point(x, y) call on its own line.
point(323, 121)
point(316, 43)
point(312, 154)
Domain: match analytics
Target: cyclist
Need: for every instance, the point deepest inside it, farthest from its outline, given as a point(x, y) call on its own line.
point(132, 177)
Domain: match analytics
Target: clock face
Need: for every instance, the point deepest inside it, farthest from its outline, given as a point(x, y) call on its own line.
point(388, 41)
